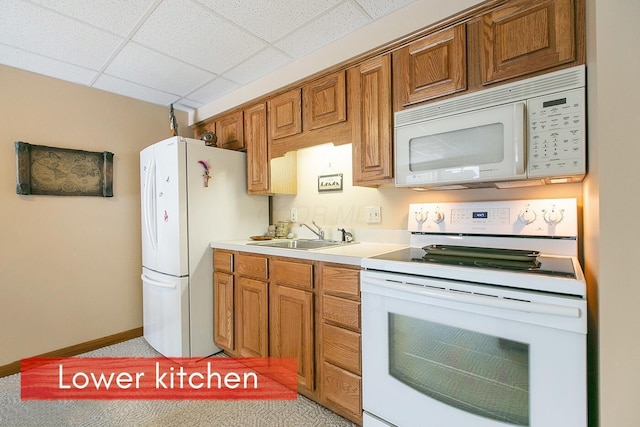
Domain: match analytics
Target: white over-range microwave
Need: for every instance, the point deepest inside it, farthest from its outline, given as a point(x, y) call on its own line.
point(530, 132)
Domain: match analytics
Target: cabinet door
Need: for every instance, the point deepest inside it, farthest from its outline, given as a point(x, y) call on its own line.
point(373, 127)
point(255, 137)
point(292, 330)
point(230, 131)
point(223, 310)
point(433, 66)
point(285, 114)
point(525, 36)
point(325, 102)
point(252, 318)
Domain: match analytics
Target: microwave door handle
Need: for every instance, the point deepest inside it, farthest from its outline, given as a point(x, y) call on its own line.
point(519, 136)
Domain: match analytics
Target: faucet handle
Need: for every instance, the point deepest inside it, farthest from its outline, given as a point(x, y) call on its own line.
point(346, 236)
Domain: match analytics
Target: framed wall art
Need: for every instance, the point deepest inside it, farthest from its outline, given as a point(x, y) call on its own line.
point(330, 183)
point(42, 170)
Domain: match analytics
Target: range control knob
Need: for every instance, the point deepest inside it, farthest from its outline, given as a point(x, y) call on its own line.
point(528, 216)
point(438, 217)
point(554, 216)
point(421, 216)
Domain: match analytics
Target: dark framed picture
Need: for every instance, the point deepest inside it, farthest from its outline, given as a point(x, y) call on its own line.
point(43, 170)
point(328, 183)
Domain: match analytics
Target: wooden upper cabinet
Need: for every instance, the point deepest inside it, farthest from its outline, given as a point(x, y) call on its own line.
point(525, 37)
point(285, 114)
point(430, 67)
point(373, 125)
point(230, 131)
point(255, 136)
point(325, 101)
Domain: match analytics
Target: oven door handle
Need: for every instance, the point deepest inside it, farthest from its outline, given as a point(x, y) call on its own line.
point(469, 298)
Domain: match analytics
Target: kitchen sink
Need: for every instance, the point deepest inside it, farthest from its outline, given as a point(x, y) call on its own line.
point(303, 244)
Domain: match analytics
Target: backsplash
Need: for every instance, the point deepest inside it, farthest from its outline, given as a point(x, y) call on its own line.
point(347, 208)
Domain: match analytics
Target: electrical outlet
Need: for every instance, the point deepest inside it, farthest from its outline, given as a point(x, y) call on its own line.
point(293, 215)
point(372, 214)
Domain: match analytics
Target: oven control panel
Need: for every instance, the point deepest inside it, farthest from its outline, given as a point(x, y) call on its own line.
point(538, 217)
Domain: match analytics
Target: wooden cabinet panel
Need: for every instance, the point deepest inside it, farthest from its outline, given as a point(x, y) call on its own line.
point(342, 388)
point(285, 114)
point(222, 261)
point(341, 281)
point(294, 273)
point(325, 101)
point(223, 313)
point(252, 266)
point(433, 66)
point(342, 312)
point(292, 330)
point(341, 347)
point(253, 318)
point(255, 136)
point(230, 131)
point(373, 125)
point(524, 36)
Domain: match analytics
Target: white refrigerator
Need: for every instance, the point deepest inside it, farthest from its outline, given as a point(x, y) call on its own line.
point(192, 194)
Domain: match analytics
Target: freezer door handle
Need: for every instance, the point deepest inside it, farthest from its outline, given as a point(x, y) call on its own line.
point(152, 282)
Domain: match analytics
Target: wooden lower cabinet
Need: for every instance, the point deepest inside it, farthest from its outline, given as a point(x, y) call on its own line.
point(292, 318)
point(252, 318)
point(223, 324)
point(340, 349)
point(295, 308)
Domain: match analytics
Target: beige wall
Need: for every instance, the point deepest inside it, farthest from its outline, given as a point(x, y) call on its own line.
point(70, 266)
point(612, 204)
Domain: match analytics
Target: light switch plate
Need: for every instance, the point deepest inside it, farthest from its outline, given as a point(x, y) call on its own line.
point(293, 215)
point(372, 214)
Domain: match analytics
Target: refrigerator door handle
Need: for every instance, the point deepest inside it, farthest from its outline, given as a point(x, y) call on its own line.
point(149, 205)
point(152, 282)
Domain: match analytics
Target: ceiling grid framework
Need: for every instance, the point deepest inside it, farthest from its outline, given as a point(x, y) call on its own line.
point(183, 52)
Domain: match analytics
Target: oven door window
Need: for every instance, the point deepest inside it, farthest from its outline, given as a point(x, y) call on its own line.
point(478, 373)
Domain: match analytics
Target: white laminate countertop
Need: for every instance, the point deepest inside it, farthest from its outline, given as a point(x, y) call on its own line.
point(351, 254)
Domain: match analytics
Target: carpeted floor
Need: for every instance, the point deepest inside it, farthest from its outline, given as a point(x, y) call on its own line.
point(147, 413)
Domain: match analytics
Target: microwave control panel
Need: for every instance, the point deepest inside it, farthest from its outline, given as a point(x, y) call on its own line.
point(556, 127)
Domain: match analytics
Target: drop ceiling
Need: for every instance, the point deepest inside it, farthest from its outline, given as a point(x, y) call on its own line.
point(183, 52)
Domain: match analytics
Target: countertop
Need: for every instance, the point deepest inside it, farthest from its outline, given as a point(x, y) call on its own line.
point(351, 254)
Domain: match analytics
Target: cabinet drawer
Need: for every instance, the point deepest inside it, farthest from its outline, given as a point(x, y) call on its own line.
point(341, 281)
point(341, 312)
point(253, 266)
point(223, 261)
point(342, 388)
point(292, 273)
point(341, 348)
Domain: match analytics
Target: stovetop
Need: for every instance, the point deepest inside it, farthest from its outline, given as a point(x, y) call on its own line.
point(541, 265)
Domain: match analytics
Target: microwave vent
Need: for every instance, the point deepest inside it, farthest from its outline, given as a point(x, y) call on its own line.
point(545, 84)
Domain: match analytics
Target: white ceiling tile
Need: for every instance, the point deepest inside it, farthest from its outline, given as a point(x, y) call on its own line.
point(133, 90)
point(336, 23)
point(49, 34)
point(140, 65)
point(187, 105)
point(379, 8)
point(213, 90)
point(197, 36)
point(258, 66)
point(116, 16)
point(270, 20)
point(48, 67)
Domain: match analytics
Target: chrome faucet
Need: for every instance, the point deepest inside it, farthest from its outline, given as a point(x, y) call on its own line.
point(319, 232)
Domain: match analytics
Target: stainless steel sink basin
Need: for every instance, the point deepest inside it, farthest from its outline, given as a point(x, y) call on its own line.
point(302, 244)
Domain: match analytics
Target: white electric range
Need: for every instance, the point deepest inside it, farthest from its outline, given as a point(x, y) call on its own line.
point(481, 322)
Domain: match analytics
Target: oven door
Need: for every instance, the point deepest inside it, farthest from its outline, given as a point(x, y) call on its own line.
point(445, 353)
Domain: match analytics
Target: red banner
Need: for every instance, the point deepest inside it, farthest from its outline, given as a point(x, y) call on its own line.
point(124, 378)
